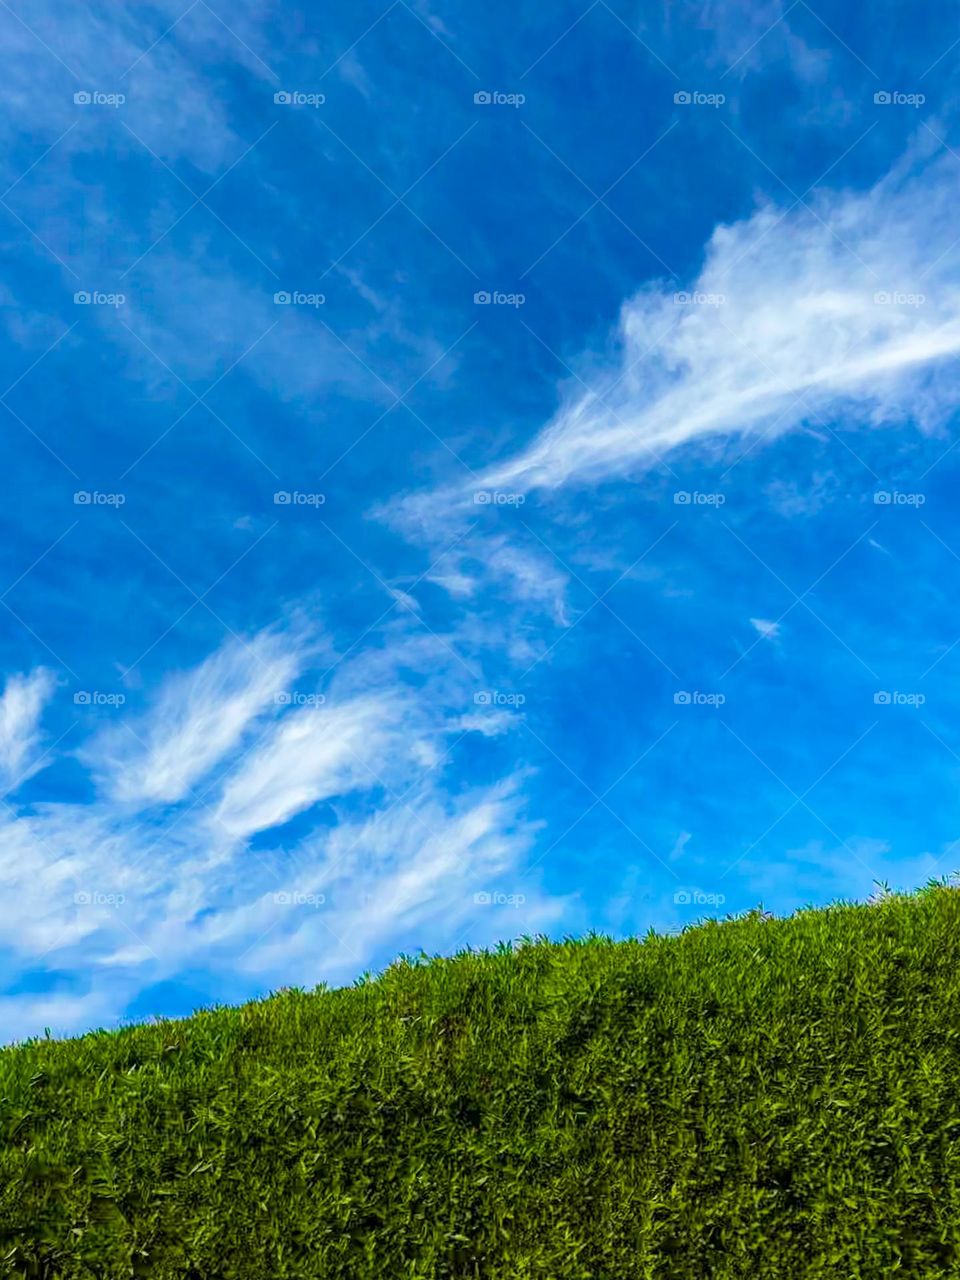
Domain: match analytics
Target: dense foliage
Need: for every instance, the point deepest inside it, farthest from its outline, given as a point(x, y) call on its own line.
point(753, 1098)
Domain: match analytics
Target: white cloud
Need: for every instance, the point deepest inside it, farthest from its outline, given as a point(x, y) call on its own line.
point(789, 498)
point(763, 627)
point(490, 722)
point(314, 753)
point(843, 312)
point(850, 307)
point(121, 49)
point(681, 842)
point(128, 895)
point(22, 701)
point(456, 583)
point(198, 718)
point(529, 573)
point(403, 874)
point(414, 867)
point(62, 868)
point(25, 1017)
point(405, 600)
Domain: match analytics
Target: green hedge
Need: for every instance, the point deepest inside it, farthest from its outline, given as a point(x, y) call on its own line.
point(753, 1098)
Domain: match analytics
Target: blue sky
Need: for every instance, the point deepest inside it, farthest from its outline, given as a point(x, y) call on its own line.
point(471, 473)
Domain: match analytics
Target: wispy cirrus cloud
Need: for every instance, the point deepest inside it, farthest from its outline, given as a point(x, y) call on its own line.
point(114, 49)
point(845, 306)
point(314, 753)
point(423, 862)
point(21, 705)
point(851, 304)
point(764, 628)
point(842, 309)
point(173, 862)
point(198, 718)
point(429, 862)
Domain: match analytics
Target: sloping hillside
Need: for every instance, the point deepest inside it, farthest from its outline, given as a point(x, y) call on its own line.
point(754, 1098)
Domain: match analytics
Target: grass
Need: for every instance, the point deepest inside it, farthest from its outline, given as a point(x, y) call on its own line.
point(753, 1098)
